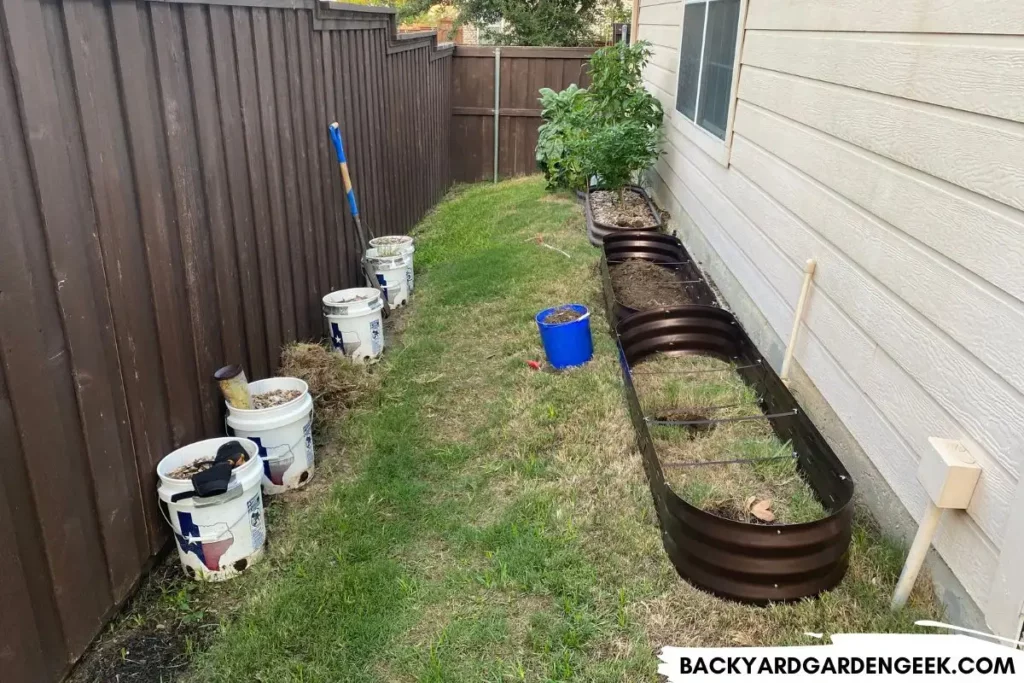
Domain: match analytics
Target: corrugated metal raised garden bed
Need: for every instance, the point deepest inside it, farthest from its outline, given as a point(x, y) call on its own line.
point(597, 229)
point(715, 423)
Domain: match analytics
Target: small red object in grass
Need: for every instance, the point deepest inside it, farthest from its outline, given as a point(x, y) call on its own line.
point(533, 364)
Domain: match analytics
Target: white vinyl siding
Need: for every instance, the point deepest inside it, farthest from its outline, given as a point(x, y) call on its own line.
point(884, 140)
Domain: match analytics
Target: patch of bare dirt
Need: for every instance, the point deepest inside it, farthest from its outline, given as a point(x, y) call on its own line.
point(633, 213)
point(644, 285)
point(157, 635)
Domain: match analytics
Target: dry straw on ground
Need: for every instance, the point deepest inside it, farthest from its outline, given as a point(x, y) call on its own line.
point(334, 381)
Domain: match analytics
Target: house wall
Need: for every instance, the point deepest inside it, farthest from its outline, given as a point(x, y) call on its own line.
point(884, 140)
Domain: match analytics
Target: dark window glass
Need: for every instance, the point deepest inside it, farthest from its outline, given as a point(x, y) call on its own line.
point(689, 60)
point(719, 53)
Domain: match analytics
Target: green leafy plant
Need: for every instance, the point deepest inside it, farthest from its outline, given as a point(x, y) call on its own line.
point(618, 151)
point(611, 130)
point(627, 141)
point(561, 149)
point(617, 90)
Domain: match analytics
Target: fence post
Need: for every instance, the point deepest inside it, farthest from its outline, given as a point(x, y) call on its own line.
point(497, 106)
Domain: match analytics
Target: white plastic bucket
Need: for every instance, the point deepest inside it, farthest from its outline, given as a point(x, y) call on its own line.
point(392, 275)
point(283, 434)
point(398, 244)
point(218, 536)
point(354, 322)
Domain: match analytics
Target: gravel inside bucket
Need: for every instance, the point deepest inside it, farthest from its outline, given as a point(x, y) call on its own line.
point(562, 315)
point(192, 468)
point(272, 399)
point(644, 285)
point(634, 212)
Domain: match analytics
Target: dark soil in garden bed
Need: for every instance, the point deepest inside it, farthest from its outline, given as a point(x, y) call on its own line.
point(634, 212)
point(562, 315)
point(644, 285)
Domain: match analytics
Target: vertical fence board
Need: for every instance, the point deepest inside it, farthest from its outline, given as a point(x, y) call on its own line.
point(397, 107)
point(302, 72)
point(136, 73)
point(274, 187)
point(344, 93)
point(38, 359)
point(113, 194)
point(38, 641)
point(326, 175)
point(253, 144)
point(301, 226)
point(342, 80)
point(524, 71)
point(332, 181)
point(214, 180)
point(368, 88)
point(233, 140)
point(86, 311)
point(190, 203)
point(282, 171)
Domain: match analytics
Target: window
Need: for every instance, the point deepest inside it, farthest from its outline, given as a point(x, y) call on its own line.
point(706, 62)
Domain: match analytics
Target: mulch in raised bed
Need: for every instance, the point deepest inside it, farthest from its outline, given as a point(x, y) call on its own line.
point(634, 213)
point(644, 285)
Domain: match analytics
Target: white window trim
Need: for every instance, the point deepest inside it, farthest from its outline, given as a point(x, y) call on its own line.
point(718, 149)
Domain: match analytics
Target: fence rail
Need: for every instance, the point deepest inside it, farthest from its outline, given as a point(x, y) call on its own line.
point(169, 202)
point(522, 71)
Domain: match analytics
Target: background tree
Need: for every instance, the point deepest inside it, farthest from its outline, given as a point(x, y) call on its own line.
point(559, 23)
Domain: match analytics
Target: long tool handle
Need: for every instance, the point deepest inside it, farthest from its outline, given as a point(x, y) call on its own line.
point(350, 194)
point(339, 148)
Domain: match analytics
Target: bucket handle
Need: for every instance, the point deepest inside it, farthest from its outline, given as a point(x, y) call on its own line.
point(204, 538)
point(290, 449)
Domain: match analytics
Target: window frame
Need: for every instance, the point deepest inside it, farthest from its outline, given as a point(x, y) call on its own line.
point(718, 148)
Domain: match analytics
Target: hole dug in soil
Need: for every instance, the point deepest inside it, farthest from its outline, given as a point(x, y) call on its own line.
point(761, 491)
point(632, 214)
point(643, 285)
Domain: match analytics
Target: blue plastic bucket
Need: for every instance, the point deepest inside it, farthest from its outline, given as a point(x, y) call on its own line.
point(566, 344)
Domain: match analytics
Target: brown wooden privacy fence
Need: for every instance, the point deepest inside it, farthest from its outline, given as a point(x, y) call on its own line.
point(169, 201)
point(523, 72)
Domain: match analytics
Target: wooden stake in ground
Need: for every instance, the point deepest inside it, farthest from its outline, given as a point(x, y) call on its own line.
point(798, 315)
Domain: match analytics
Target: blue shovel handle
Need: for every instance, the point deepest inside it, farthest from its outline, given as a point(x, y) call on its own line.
point(335, 130)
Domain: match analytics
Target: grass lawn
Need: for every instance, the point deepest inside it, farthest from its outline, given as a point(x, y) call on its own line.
point(488, 522)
